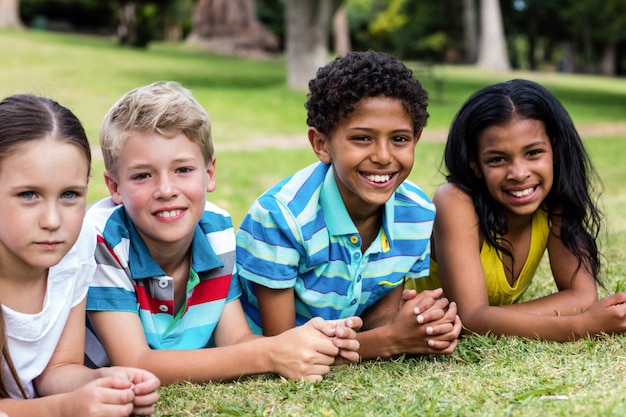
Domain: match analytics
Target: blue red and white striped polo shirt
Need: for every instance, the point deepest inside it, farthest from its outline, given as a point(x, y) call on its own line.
point(128, 279)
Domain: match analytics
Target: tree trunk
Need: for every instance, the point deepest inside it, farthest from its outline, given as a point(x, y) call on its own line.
point(10, 14)
point(608, 66)
point(230, 26)
point(341, 32)
point(471, 35)
point(492, 53)
point(308, 30)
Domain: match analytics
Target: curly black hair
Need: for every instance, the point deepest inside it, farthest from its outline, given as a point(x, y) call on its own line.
point(340, 85)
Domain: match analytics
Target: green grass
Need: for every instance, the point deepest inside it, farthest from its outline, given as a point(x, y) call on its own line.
point(248, 100)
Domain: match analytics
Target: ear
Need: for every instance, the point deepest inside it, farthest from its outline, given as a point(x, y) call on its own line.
point(475, 168)
point(113, 187)
point(418, 135)
point(319, 143)
point(210, 170)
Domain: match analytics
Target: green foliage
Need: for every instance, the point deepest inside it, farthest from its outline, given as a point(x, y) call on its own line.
point(81, 15)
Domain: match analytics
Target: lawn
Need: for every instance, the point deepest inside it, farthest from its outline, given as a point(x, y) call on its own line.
point(250, 105)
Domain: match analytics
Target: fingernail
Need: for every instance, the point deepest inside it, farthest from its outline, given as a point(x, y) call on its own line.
point(429, 330)
point(420, 319)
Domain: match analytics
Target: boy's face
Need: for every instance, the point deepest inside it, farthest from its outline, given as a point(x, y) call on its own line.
point(372, 152)
point(162, 184)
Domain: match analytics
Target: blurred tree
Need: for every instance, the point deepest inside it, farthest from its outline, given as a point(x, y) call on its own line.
point(469, 27)
point(341, 32)
point(410, 29)
point(492, 51)
point(141, 21)
point(230, 26)
point(308, 33)
point(9, 14)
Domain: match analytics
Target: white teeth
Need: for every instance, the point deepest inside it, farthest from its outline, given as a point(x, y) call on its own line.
point(378, 178)
point(170, 213)
point(523, 193)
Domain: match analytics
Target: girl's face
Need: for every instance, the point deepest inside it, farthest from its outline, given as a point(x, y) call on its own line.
point(372, 152)
point(43, 190)
point(517, 164)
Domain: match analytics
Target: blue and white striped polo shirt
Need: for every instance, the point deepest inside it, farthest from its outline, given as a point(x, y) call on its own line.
point(128, 279)
point(299, 234)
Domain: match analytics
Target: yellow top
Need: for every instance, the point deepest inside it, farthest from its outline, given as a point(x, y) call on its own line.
point(499, 291)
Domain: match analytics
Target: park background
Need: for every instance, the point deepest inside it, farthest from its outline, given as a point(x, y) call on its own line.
point(260, 137)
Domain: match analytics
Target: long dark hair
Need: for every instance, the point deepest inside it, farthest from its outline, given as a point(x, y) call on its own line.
point(23, 118)
point(573, 194)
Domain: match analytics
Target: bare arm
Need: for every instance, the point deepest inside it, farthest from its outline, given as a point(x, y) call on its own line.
point(277, 309)
point(457, 244)
point(304, 352)
point(67, 388)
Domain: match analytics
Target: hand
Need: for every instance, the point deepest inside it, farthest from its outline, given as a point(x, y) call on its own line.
point(305, 352)
point(426, 324)
point(109, 396)
point(343, 335)
point(144, 386)
point(607, 315)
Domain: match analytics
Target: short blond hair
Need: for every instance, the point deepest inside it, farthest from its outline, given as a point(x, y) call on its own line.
point(163, 107)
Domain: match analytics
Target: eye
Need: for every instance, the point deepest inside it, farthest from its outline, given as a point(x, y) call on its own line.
point(535, 152)
point(360, 138)
point(494, 160)
point(27, 195)
point(139, 177)
point(400, 139)
point(184, 170)
point(69, 195)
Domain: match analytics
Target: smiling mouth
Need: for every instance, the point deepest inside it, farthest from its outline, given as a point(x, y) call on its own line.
point(522, 193)
point(169, 213)
point(378, 178)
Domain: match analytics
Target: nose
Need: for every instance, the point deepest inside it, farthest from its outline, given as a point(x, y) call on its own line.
point(518, 170)
point(50, 218)
point(382, 152)
point(166, 187)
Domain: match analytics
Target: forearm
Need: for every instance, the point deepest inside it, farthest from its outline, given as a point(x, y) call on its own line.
point(508, 322)
point(64, 378)
point(377, 343)
point(210, 364)
point(51, 406)
point(562, 303)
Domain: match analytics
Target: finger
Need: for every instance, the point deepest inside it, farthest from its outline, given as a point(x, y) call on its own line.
point(147, 400)
point(354, 322)
point(115, 382)
point(349, 355)
point(343, 332)
point(146, 386)
point(441, 347)
point(431, 315)
point(325, 327)
point(144, 410)
point(408, 294)
point(426, 299)
point(346, 344)
point(313, 378)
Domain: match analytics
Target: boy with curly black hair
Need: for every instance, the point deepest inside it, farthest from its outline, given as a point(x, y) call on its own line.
point(340, 237)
